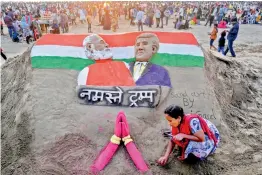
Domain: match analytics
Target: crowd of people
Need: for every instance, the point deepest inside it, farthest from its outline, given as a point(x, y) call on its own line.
point(27, 21)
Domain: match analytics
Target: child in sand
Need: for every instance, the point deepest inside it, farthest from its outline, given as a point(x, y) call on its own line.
point(221, 42)
point(213, 36)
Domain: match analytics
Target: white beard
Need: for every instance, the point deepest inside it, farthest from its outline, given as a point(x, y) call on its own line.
point(99, 55)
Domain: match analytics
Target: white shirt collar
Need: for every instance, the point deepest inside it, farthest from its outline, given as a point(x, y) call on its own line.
point(140, 62)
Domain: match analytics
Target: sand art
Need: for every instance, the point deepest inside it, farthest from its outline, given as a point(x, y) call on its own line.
point(127, 60)
point(29, 133)
point(121, 132)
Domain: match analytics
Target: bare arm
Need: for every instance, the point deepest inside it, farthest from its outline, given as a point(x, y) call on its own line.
point(199, 136)
point(169, 149)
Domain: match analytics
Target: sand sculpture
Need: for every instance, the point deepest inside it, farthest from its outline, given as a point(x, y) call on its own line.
point(122, 69)
point(121, 132)
point(93, 61)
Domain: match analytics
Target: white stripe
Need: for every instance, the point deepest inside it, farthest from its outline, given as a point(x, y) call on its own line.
point(118, 52)
point(82, 76)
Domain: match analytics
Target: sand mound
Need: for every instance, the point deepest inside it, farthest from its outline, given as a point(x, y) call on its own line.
point(237, 85)
point(16, 111)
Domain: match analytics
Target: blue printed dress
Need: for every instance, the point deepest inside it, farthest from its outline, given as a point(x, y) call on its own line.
point(202, 149)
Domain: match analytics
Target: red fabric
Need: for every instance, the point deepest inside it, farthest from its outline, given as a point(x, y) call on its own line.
point(31, 18)
point(195, 20)
point(109, 73)
point(185, 128)
point(108, 151)
point(222, 24)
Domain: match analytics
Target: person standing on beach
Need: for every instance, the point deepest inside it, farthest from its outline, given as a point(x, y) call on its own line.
point(213, 37)
point(139, 19)
point(221, 42)
point(231, 37)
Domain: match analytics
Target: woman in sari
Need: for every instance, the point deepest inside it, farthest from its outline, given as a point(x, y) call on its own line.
point(195, 136)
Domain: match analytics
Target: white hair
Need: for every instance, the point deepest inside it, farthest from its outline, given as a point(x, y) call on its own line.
point(90, 38)
point(93, 54)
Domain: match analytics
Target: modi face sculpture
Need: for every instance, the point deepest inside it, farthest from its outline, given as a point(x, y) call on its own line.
point(134, 62)
point(105, 71)
point(96, 48)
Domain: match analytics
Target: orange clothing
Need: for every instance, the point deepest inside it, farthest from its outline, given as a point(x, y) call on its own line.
point(109, 73)
point(213, 34)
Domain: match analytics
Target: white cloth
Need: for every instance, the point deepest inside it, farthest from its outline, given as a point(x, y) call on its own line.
point(82, 14)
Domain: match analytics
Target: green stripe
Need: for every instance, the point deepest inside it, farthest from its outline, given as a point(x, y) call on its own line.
point(54, 62)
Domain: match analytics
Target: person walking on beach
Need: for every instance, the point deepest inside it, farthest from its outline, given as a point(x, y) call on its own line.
point(139, 19)
point(231, 37)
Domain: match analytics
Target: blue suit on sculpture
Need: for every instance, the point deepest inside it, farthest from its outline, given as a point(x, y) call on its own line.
point(152, 75)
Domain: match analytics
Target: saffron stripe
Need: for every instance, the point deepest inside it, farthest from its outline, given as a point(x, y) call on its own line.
point(117, 40)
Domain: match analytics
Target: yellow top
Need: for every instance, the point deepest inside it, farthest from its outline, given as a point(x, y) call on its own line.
point(89, 19)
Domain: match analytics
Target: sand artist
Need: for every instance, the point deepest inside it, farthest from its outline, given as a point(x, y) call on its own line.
point(105, 71)
point(195, 136)
point(121, 132)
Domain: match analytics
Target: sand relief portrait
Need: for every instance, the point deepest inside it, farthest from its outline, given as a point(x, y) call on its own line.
point(108, 72)
point(108, 78)
point(105, 71)
point(144, 72)
point(114, 73)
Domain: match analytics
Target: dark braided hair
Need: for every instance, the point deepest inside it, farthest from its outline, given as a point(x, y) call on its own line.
point(174, 111)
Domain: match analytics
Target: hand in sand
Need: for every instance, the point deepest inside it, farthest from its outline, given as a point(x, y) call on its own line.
point(162, 160)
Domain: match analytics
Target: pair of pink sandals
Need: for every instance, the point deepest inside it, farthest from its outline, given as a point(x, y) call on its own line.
point(121, 133)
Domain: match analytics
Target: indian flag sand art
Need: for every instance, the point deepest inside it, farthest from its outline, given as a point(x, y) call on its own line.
point(128, 60)
point(67, 52)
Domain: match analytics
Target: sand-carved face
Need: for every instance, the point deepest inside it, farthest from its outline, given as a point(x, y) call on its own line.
point(96, 48)
point(146, 46)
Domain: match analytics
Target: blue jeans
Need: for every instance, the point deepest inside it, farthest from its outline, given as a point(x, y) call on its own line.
point(11, 29)
point(211, 42)
point(220, 49)
point(230, 48)
point(219, 18)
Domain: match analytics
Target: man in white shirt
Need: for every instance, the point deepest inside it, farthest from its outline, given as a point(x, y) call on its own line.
point(139, 19)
